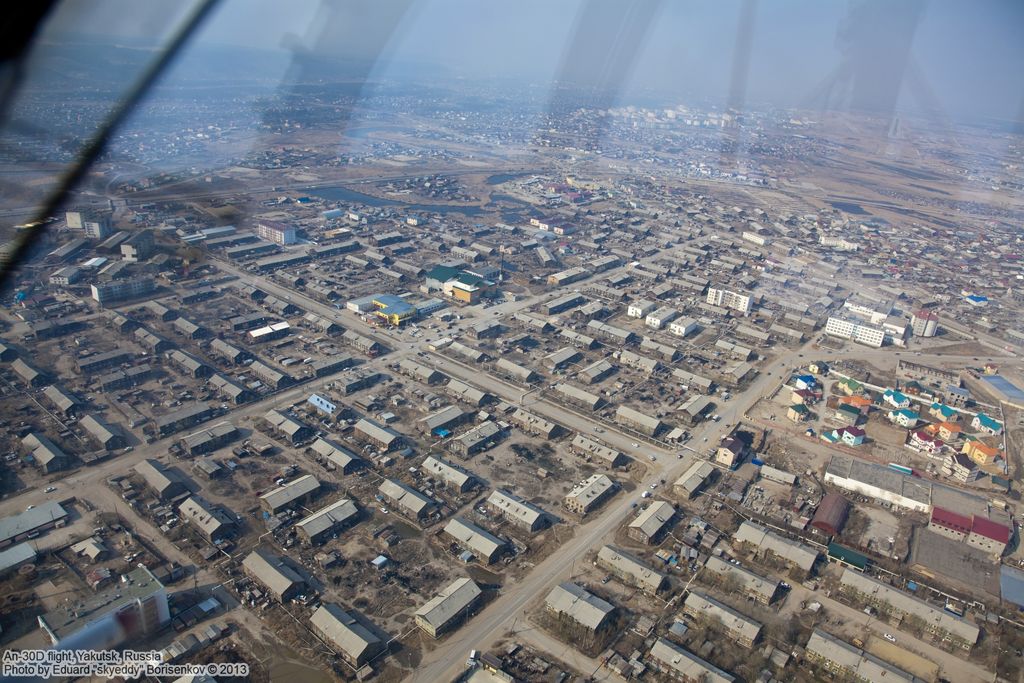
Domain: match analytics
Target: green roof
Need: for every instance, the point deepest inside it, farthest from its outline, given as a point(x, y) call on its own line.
point(850, 557)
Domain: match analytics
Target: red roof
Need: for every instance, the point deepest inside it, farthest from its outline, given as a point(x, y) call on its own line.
point(989, 529)
point(951, 520)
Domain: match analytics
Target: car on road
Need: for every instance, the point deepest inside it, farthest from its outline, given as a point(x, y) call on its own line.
point(636, 445)
point(645, 494)
point(890, 637)
point(49, 489)
point(30, 507)
point(654, 485)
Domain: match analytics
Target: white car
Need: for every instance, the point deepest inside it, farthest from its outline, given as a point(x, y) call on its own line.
point(636, 445)
point(49, 489)
point(890, 637)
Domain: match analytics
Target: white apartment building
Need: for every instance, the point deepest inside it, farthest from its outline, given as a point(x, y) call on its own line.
point(856, 330)
point(725, 298)
point(276, 232)
point(640, 309)
point(661, 317)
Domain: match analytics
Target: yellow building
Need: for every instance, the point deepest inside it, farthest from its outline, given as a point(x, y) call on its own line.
point(980, 452)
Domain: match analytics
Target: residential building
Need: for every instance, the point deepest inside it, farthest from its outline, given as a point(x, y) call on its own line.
point(517, 510)
point(351, 634)
point(483, 544)
point(271, 571)
point(761, 589)
point(275, 232)
point(630, 569)
point(737, 627)
point(680, 664)
point(451, 606)
point(847, 662)
point(296, 492)
point(210, 520)
point(694, 479)
point(118, 290)
point(589, 494)
point(407, 500)
point(724, 298)
point(319, 526)
point(648, 526)
point(166, 482)
point(898, 605)
point(855, 329)
point(571, 603)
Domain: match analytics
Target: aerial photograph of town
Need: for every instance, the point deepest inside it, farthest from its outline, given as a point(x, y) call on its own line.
point(442, 341)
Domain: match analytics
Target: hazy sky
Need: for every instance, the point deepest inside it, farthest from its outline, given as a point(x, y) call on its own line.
point(947, 55)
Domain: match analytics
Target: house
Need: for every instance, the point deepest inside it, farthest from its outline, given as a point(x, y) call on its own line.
point(904, 417)
point(296, 492)
point(848, 413)
point(949, 431)
point(861, 403)
point(798, 412)
point(923, 442)
point(696, 477)
point(896, 399)
point(167, 482)
point(517, 510)
point(960, 467)
point(980, 452)
point(850, 387)
point(805, 381)
point(957, 396)
point(940, 411)
point(803, 397)
point(850, 436)
point(729, 452)
point(818, 367)
point(985, 424)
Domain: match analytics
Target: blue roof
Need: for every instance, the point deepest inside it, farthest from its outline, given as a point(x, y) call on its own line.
point(907, 412)
point(988, 422)
point(977, 298)
point(1011, 585)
